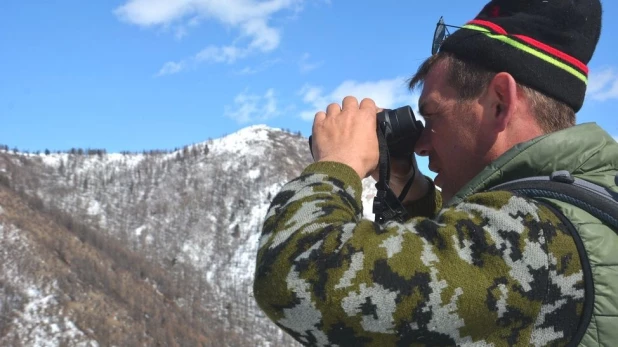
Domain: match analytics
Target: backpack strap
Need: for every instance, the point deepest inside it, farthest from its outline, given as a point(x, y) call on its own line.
point(561, 185)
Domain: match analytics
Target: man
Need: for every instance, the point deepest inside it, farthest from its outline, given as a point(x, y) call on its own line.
point(473, 266)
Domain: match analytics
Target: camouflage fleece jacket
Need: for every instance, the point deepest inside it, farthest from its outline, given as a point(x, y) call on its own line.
point(497, 269)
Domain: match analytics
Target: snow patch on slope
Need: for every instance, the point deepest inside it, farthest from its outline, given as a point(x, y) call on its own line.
point(242, 143)
point(41, 326)
point(91, 161)
point(41, 322)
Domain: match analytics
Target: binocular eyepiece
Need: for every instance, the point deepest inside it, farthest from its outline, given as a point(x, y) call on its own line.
point(401, 130)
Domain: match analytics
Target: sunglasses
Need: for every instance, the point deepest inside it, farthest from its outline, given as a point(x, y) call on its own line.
point(440, 35)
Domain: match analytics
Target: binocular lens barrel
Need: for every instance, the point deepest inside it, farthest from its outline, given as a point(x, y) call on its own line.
point(401, 130)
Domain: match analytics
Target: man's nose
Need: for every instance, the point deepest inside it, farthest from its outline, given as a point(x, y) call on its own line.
point(423, 145)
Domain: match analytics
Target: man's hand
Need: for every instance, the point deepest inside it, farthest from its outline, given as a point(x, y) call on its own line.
point(347, 135)
point(401, 171)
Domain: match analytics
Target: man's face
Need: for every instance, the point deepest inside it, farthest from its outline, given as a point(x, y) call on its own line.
point(455, 136)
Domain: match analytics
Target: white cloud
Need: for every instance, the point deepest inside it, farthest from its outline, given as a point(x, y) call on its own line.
point(249, 17)
point(170, 68)
point(389, 93)
point(305, 65)
point(248, 70)
point(227, 54)
point(210, 54)
point(264, 38)
point(180, 32)
point(603, 84)
point(251, 107)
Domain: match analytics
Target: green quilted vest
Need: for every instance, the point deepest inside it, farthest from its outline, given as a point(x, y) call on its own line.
point(588, 153)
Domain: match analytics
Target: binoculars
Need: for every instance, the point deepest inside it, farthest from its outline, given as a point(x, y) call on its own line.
point(400, 128)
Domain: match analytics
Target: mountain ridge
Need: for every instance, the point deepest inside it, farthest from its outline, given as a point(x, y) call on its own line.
point(195, 213)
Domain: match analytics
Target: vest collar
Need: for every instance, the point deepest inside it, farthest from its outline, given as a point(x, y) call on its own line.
point(581, 149)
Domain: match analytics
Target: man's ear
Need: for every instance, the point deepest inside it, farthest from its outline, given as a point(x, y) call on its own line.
point(502, 94)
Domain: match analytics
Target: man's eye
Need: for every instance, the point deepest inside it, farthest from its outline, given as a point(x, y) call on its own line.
point(428, 116)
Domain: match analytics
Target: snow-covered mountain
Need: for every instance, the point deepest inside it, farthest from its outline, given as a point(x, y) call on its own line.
point(194, 215)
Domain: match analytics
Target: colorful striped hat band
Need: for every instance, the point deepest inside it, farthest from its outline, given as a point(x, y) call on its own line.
point(529, 45)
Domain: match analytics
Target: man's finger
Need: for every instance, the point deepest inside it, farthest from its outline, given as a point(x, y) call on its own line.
point(333, 109)
point(319, 118)
point(349, 102)
point(368, 103)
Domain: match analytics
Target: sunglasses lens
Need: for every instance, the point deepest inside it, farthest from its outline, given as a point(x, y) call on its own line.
point(438, 36)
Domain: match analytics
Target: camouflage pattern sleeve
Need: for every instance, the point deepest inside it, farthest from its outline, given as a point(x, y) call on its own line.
point(495, 270)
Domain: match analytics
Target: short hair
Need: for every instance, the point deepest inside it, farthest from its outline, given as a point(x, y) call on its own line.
point(470, 80)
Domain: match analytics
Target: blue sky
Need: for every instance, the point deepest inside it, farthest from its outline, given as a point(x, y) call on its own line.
point(158, 74)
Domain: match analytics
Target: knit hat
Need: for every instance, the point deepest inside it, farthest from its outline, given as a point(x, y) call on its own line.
point(543, 44)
